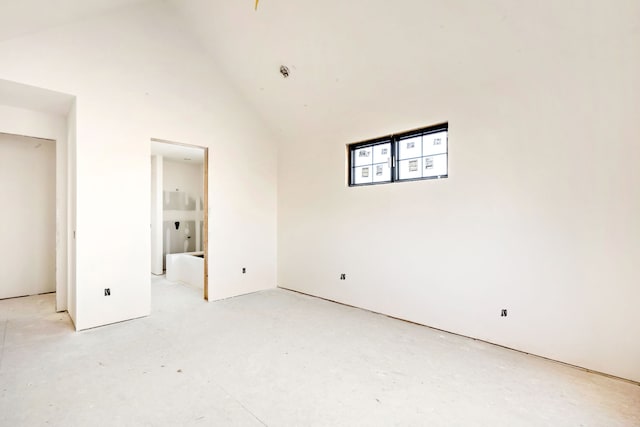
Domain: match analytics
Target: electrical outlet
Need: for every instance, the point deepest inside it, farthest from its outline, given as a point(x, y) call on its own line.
point(343, 276)
point(107, 292)
point(503, 313)
point(244, 270)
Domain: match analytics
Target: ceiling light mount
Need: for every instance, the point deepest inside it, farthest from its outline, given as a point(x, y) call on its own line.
point(284, 70)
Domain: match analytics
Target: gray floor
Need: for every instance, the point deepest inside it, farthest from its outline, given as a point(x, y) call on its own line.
point(278, 358)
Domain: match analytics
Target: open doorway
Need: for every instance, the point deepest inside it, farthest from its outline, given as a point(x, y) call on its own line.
point(48, 118)
point(28, 242)
point(179, 213)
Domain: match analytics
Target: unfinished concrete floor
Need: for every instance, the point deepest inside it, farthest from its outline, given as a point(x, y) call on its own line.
point(278, 358)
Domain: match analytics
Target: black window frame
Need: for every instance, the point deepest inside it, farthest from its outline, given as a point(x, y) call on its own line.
point(394, 140)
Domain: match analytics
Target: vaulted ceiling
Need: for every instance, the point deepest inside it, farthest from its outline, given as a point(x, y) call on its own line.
point(26, 16)
point(348, 59)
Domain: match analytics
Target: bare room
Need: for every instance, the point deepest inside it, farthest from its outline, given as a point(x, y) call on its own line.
point(319, 213)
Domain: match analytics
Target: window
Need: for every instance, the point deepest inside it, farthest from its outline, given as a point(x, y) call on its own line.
point(418, 154)
point(371, 162)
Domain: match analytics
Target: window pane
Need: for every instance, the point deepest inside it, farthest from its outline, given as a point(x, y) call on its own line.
point(434, 143)
point(381, 172)
point(410, 147)
point(410, 169)
point(434, 166)
point(362, 156)
point(381, 153)
point(362, 175)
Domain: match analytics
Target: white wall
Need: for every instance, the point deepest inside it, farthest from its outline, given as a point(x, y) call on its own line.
point(28, 122)
point(186, 178)
point(540, 214)
point(28, 216)
point(181, 176)
point(156, 214)
point(71, 211)
point(137, 76)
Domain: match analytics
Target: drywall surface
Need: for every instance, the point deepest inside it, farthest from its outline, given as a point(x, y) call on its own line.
point(540, 214)
point(181, 176)
point(71, 209)
point(48, 125)
point(28, 216)
point(137, 76)
point(183, 207)
point(156, 215)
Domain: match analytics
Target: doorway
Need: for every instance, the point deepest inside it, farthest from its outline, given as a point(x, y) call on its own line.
point(179, 213)
point(28, 216)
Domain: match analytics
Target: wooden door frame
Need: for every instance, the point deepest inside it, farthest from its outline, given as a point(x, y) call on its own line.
point(205, 238)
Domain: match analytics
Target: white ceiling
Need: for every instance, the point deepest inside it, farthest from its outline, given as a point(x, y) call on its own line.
point(178, 153)
point(19, 17)
point(349, 58)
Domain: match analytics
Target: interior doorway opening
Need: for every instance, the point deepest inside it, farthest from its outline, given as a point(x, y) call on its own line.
point(28, 242)
point(179, 213)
